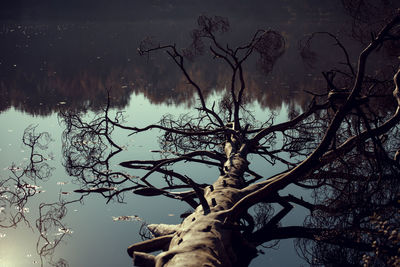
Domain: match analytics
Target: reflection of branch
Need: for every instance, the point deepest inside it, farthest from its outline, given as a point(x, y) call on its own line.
point(179, 60)
point(184, 157)
point(173, 130)
point(157, 164)
point(18, 189)
point(338, 43)
point(318, 234)
point(51, 228)
point(88, 149)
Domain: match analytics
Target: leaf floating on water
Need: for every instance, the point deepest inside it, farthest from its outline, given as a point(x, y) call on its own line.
point(148, 191)
point(23, 210)
point(62, 231)
point(13, 168)
point(31, 186)
point(127, 218)
point(65, 193)
point(62, 183)
point(171, 215)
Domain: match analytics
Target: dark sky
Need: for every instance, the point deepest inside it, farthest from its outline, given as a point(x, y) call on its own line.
point(144, 9)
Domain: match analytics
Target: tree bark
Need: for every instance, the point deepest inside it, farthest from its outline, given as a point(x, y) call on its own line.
point(204, 239)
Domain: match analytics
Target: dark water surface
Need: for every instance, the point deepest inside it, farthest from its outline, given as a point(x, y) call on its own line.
point(62, 56)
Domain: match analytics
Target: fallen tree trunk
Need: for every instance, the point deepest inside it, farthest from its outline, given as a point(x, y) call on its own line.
point(214, 234)
point(203, 238)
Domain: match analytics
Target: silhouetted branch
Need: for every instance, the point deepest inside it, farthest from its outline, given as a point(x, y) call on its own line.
point(313, 159)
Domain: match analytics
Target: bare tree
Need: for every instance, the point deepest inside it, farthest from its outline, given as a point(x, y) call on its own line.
point(343, 148)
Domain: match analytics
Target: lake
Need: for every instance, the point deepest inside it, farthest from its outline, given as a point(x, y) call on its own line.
point(60, 57)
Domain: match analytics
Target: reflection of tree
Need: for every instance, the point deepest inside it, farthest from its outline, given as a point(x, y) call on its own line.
point(342, 149)
point(73, 63)
point(87, 150)
point(369, 14)
point(348, 199)
point(18, 191)
point(52, 230)
point(352, 193)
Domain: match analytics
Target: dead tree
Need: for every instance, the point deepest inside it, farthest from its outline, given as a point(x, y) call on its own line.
point(336, 153)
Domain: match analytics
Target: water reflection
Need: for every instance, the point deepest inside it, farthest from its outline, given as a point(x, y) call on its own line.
point(46, 64)
point(17, 192)
point(21, 186)
point(54, 66)
point(361, 208)
point(351, 184)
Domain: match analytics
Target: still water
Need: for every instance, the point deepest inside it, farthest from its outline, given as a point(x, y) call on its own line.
point(53, 61)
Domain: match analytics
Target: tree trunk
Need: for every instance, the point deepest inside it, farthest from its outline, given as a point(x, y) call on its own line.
point(203, 238)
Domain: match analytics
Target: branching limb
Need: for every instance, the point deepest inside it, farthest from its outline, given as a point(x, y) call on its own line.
point(162, 229)
point(151, 245)
point(260, 235)
point(338, 43)
point(313, 160)
point(289, 124)
point(351, 142)
point(200, 195)
point(158, 164)
point(172, 130)
point(178, 58)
